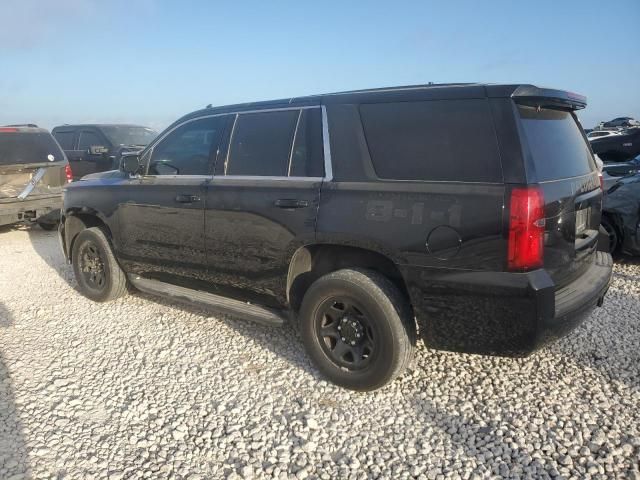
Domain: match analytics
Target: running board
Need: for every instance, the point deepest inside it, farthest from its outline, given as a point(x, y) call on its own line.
point(249, 311)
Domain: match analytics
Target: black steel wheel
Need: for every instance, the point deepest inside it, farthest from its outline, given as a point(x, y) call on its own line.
point(92, 266)
point(357, 328)
point(346, 333)
point(99, 276)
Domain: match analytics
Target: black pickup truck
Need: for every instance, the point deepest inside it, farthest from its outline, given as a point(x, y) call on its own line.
point(469, 210)
point(93, 148)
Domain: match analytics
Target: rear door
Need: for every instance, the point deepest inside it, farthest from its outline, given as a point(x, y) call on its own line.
point(561, 163)
point(262, 202)
point(31, 164)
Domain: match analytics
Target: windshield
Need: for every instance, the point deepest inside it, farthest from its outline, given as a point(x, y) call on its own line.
point(121, 135)
point(556, 143)
point(29, 147)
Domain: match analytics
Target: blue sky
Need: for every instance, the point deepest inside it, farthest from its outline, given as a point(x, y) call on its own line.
point(150, 61)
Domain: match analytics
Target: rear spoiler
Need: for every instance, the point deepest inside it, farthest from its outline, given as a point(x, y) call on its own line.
point(548, 98)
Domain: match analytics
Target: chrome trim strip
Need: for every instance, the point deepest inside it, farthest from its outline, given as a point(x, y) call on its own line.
point(293, 144)
point(233, 129)
point(326, 144)
point(265, 177)
point(159, 139)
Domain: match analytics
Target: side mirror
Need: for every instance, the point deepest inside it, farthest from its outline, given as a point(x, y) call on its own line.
point(98, 149)
point(130, 164)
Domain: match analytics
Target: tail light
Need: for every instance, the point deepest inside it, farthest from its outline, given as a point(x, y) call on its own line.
point(526, 229)
point(68, 173)
point(8, 130)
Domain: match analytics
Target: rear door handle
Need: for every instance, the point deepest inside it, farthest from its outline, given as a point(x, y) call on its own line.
point(184, 198)
point(291, 203)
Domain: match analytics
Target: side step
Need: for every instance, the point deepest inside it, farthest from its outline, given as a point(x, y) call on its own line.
point(255, 313)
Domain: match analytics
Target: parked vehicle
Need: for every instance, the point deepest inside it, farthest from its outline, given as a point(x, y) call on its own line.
point(621, 122)
point(359, 213)
point(621, 215)
point(33, 171)
point(602, 133)
point(621, 169)
point(618, 148)
point(95, 148)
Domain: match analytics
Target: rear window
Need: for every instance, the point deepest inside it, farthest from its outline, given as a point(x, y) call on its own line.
point(28, 147)
point(440, 140)
point(556, 144)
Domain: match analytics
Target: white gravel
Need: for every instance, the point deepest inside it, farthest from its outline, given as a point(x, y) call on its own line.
point(142, 388)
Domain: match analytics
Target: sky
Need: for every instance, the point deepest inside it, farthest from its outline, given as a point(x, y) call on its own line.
point(151, 61)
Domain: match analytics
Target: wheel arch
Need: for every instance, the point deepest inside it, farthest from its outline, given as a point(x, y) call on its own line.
point(76, 220)
point(310, 262)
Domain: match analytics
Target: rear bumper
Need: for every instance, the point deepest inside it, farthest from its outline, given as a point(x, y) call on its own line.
point(501, 313)
point(13, 211)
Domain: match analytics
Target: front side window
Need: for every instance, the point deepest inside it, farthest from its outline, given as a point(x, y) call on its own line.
point(261, 144)
point(187, 150)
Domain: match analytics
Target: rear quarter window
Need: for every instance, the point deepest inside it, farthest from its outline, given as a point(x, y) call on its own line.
point(29, 147)
point(556, 144)
point(440, 140)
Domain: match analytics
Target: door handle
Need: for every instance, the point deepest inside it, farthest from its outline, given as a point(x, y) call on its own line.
point(184, 198)
point(291, 203)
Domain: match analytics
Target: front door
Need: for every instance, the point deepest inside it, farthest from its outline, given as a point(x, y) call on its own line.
point(262, 202)
point(161, 216)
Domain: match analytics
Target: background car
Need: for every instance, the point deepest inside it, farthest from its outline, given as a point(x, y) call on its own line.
point(95, 148)
point(33, 171)
point(621, 215)
point(622, 122)
point(617, 148)
point(601, 133)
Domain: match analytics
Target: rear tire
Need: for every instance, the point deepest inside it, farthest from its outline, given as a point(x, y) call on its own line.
point(99, 276)
point(357, 328)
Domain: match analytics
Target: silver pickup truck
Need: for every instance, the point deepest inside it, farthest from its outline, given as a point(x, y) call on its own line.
point(33, 172)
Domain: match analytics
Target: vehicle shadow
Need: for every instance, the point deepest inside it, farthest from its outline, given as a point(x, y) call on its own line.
point(14, 460)
point(283, 342)
point(45, 244)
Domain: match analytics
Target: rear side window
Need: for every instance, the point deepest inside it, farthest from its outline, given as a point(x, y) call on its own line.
point(89, 139)
point(261, 143)
point(440, 140)
point(65, 139)
point(307, 156)
point(556, 144)
point(29, 147)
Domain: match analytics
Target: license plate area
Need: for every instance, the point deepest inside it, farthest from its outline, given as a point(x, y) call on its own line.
point(582, 220)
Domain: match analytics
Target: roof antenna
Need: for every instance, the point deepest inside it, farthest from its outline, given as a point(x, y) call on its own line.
point(209, 106)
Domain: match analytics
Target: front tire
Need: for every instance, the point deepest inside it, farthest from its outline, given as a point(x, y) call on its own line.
point(97, 272)
point(357, 328)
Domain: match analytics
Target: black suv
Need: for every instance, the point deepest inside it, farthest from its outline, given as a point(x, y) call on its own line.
point(95, 148)
point(466, 212)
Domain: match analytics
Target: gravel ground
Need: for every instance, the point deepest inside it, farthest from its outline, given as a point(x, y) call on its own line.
point(144, 388)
